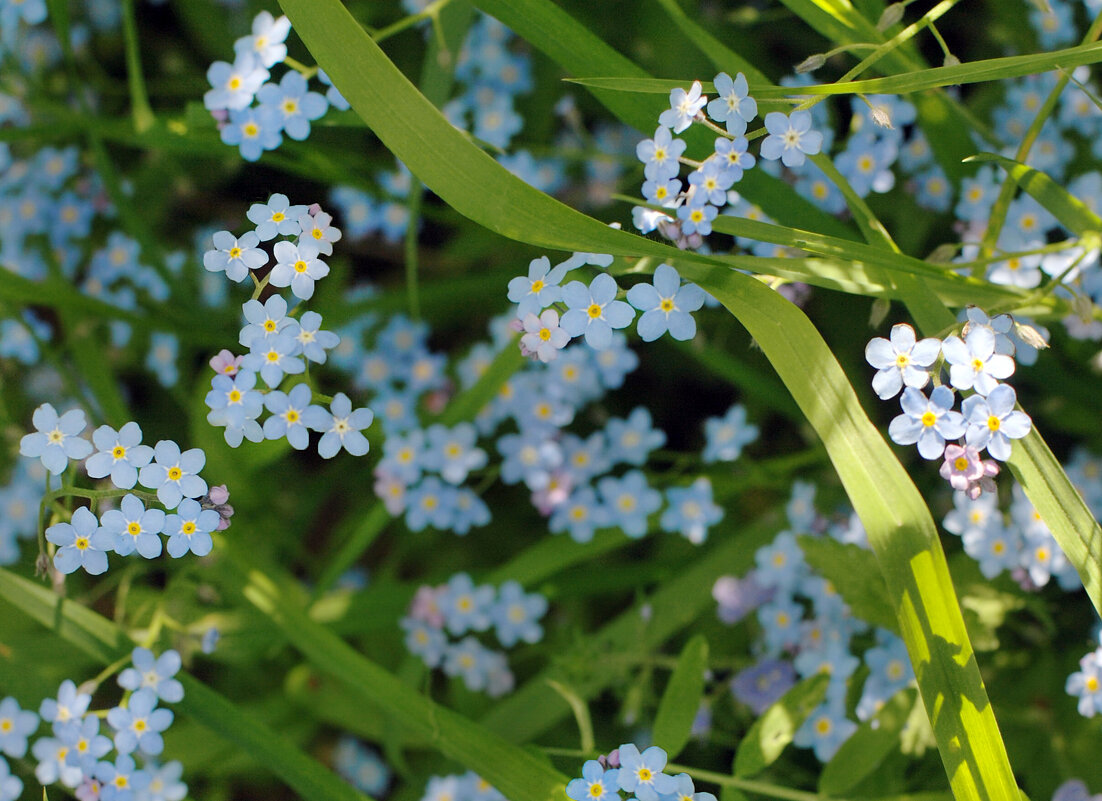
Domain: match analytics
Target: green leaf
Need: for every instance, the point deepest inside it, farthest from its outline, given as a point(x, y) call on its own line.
point(722, 57)
point(867, 747)
point(856, 577)
point(773, 731)
point(103, 640)
point(681, 700)
point(1072, 213)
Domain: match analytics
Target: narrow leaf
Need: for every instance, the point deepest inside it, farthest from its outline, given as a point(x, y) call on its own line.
point(681, 700)
point(773, 731)
point(856, 577)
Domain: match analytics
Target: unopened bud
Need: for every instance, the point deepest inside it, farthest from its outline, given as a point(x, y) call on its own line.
point(881, 117)
point(943, 253)
point(892, 14)
point(950, 61)
point(1030, 335)
point(811, 63)
point(880, 309)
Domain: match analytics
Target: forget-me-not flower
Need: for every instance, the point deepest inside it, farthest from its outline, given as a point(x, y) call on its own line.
point(120, 455)
point(929, 422)
point(57, 439)
point(734, 106)
point(189, 529)
point(135, 528)
point(901, 360)
point(594, 311)
point(790, 138)
point(81, 543)
point(666, 305)
point(341, 426)
point(993, 421)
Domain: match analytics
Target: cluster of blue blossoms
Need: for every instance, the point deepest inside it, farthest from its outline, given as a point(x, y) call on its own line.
point(639, 774)
point(459, 607)
point(77, 754)
point(287, 107)
point(805, 629)
point(976, 362)
point(170, 474)
point(467, 787)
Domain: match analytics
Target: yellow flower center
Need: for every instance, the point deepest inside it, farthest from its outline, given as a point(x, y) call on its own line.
point(235, 396)
point(993, 423)
point(545, 334)
point(960, 463)
point(81, 543)
point(175, 474)
point(235, 252)
point(928, 419)
point(251, 129)
point(666, 305)
point(594, 311)
point(118, 452)
point(300, 266)
point(278, 217)
point(133, 528)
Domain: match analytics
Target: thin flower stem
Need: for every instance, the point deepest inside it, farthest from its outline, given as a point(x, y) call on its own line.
point(762, 788)
point(298, 66)
point(260, 285)
point(709, 124)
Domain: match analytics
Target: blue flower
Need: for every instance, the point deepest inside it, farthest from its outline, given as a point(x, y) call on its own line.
point(993, 421)
point(139, 724)
point(154, 673)
point(318, 229)
point(293, 104)
point(16, 724)
point(57, 439)
point(733, 158)
point(119, 455)
point(81, 543)
point(691, 511)
point(164, 780)
point(726, 436)
point(86, 745)
point(277, 217)
point(629, 501)
point(1086, 683)
point(632, 439)
point(252, 131)
point(263, 319)
point(313, 341)
point(929, 422)
point(974, 362)
point(696, 218)
point(135, 528)
point(341, 426)
point(762, 684)
point(790, 138)
point(582, 514)
point(642, 774)
point(298, 267)
point(236, 257)
point(666, 305)
point(174, 475)
point(596, 784)
point(161, 359)
point(267, 40)
point(465, 607)
point(121, 780)
point(287, 411)
point(469, 511)
point(452, 452)
point(660, 155)
point(661, 190)
point(189, 529)
point(272, 357)
point(540, 289)
point(901, 360)
point(679, 116)
point(361, 766)
point(515, 615)
point(425, 641)
point(866, 163)
point(594, 311)
point(11, 787)
point(734, 106)
point(234, 85)
point(70, 704)
point(472, 661)
point(825, 730)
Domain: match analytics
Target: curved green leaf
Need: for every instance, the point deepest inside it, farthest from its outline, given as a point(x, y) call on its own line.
point(868, 747)
point(774, 730)
point(855, 575)
point(674, 721)
point(1072, 213)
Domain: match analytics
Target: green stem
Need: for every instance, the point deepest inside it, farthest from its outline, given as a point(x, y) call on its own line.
point(140, 109)
point(762, 788)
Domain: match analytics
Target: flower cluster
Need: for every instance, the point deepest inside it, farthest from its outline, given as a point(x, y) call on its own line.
point(287, 107)
point(458, 607)
point(468, 787)
point(639, 774)
point(806, 629)
point(172, 474)
point(976, 362)
point(77, 751)
point(593, 311)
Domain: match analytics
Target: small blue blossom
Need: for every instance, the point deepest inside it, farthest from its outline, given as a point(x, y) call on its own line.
point(469, 511)
point(790, 138)
point(901, 360)
point(263, 319)
point(234, 85)
point(189, 529)
point(266, 43)
point(86, 745)
point(629, 501)
point(761, 685)
point(340, 426)
point(69, 705)
point(679, 116)
point(473, 662)
point(119, 454)
point(866, 163)
point(275, 218)
point(164, 781)
point(273, 357)
point(660, 155)
point(992, 421)
point(594, 311)
point(631, 440)
point(425, 640)
point(314, 341)
point(293, 104)
point(515, 615)
point(973, 361)
point(641, 774)
point(298, 267)
point(581, 514)
point(734, 106)
point(121, 780)
point(81, 543)
point(929, 422)
point(696, 218)
point(726, 436)
point(1086, 684)
point(161, 359)
point(252, 131)
point(733, 158)
point(154, 673)
point(57, 439)
point(661, 190)
point(287, 411)
point(540, 289)
point(666, 305)
point(361, 766)
point(709, 183)
point(235, 257)
point(451, 451)
point(139, 724)
point(465, 607)
point(430, 503)
point(135, 528)
point(691, 511)
point(17, 724)
point(174, 475)
point(825, 730)
point(596, 784)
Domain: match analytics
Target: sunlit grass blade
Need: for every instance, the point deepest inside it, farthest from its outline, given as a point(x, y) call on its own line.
point(674, 720)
